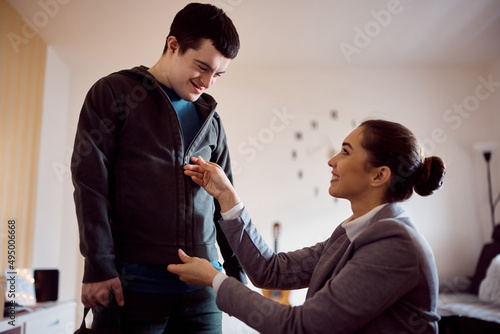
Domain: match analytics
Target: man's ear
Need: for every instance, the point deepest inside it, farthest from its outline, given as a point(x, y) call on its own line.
point(381, 176)
point(173, 44)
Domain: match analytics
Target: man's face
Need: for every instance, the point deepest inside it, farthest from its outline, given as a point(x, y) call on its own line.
point(191, 73)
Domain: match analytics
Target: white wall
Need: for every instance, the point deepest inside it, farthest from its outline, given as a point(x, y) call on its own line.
point(56, 232)
point(495, 121)
point(50, 227)
point(50, 191)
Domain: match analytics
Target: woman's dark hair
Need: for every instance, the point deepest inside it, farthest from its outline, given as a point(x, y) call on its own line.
point(393, 145)
point(196, 22)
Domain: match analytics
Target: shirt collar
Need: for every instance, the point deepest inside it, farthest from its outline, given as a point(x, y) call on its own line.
point(355, 227)
point(172, 95)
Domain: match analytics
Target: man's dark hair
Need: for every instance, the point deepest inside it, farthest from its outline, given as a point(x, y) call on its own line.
point(196, 22)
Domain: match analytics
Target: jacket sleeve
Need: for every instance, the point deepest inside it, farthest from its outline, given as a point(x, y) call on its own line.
point(381, 271)
point(221, 157)
point(91, 167)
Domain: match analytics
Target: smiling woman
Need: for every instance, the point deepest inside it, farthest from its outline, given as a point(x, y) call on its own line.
point(381, 162)
point(375, 271)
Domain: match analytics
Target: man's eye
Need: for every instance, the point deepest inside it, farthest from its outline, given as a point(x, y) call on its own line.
point(202, 68)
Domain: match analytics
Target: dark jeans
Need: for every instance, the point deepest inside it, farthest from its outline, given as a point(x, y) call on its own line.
point(145, 313)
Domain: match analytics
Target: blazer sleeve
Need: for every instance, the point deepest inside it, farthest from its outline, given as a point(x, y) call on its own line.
point(266, 269)
point(379, 272)
point(221, 157)
point(91, 164)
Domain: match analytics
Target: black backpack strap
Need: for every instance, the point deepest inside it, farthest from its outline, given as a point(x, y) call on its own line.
point(85, 312)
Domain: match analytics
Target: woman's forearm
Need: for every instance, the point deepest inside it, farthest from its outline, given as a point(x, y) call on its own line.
point(228, 199)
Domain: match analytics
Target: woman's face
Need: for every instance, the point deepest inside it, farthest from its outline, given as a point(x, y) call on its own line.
point(351, 171)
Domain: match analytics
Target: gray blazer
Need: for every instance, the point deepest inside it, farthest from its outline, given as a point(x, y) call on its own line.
point(385, 281)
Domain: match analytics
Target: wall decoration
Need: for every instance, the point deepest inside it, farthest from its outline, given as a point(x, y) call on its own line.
point(334, 114)
point(313, 144)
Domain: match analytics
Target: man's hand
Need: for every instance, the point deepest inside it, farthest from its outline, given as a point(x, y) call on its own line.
point(98, 293)
point(212, 178)
point(194, 270)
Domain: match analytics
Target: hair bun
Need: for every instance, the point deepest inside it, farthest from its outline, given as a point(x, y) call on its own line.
point(430, 176)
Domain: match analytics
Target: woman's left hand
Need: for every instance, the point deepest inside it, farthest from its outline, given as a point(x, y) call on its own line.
point(194, 270)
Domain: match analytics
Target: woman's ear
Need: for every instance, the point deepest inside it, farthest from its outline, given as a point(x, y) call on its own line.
point(381, 176)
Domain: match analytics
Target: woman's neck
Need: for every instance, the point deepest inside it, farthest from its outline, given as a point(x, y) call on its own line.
point(363, 207)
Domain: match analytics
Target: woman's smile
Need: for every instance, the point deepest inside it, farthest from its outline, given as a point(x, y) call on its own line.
point(335, 178)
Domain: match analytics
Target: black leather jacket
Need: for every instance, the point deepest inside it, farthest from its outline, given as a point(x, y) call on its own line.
point(133, 201)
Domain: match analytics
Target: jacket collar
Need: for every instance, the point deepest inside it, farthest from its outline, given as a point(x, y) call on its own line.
point(141, 73)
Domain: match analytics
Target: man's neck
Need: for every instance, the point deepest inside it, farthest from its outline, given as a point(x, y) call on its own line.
point(158, 70)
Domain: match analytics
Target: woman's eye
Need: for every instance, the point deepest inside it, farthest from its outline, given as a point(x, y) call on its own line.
point(202, 68)
point(344, 152)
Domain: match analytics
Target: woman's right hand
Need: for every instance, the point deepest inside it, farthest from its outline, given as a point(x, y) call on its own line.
point(212, 178)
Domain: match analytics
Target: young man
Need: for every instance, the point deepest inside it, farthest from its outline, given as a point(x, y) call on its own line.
point(135, 208)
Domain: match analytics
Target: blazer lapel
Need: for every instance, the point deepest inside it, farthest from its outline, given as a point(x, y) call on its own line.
point(334, 251)
point(338, 250)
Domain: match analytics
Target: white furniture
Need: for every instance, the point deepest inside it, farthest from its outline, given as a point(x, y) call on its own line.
point(47, 318)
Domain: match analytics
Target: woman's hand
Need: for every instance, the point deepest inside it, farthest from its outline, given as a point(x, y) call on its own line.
point(212, 178)
point(194, 270)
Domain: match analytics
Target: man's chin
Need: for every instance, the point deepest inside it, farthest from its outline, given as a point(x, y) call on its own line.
point(194, 98)
point(191, 97)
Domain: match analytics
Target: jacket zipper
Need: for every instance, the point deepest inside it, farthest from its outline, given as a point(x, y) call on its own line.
point(185, 155)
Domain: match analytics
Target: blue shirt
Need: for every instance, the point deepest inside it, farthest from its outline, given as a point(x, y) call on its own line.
point(189, 119)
